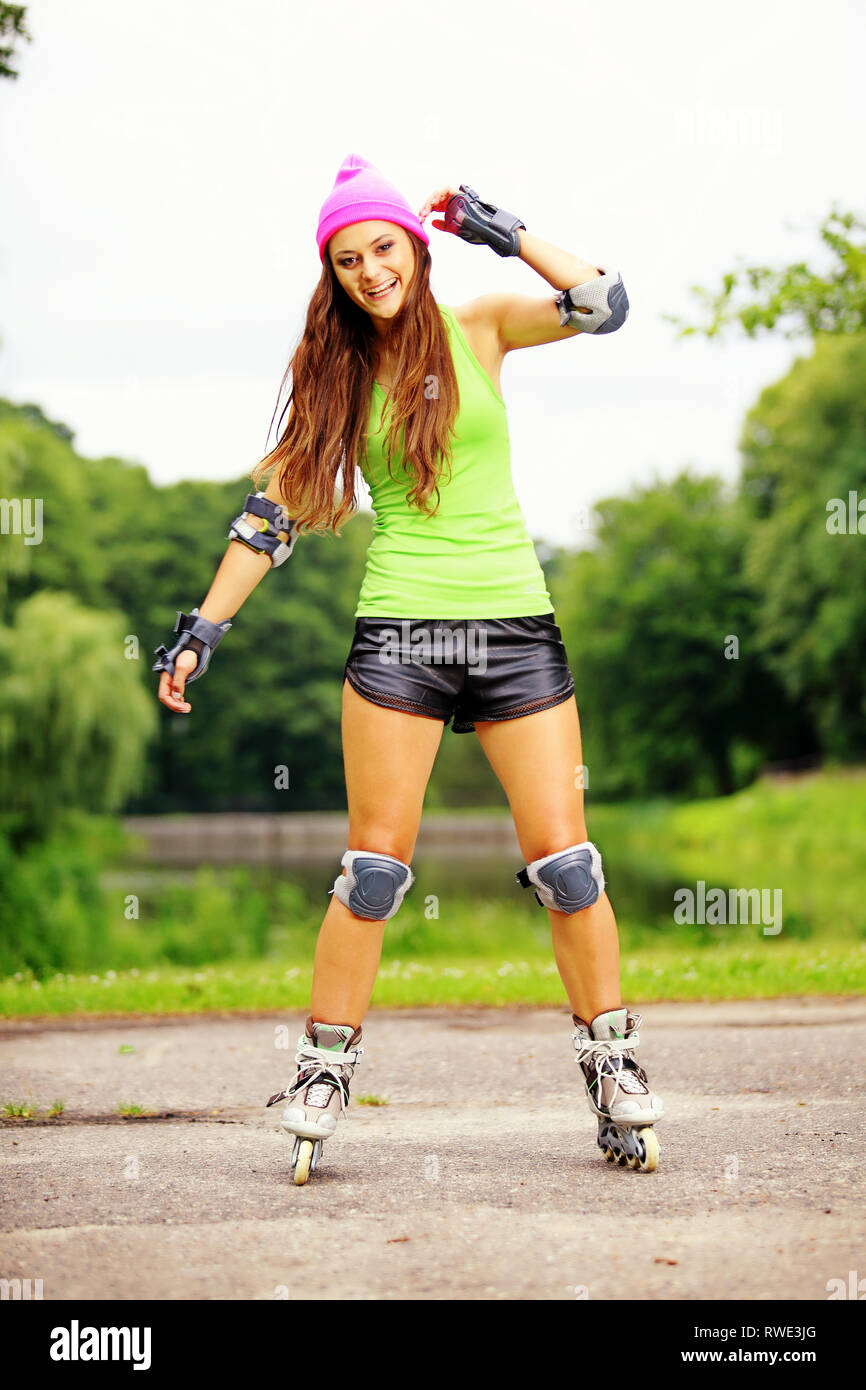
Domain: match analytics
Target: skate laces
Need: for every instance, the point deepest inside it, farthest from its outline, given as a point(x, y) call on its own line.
point(323, 1063)
point(612, 1058)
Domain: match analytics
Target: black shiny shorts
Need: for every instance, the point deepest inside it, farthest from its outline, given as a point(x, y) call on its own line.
point(471, 668)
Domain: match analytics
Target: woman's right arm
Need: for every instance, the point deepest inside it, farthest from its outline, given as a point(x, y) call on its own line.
point(240, 570)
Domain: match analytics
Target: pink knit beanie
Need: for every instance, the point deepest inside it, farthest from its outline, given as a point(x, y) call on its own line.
point(360, 194)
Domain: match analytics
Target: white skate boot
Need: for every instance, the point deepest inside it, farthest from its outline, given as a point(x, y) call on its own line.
point(617, 1088)
point(326, 1057)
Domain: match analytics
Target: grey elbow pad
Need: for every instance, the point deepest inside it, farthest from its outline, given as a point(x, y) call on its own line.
point(265, 541)
point(604, 296)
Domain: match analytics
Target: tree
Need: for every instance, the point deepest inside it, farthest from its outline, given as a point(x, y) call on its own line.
point(74, 716)
point(803, 449)
point(803, 446)
point(100, 530)
point(657, 621)
point(12, 21)
point(805, 301)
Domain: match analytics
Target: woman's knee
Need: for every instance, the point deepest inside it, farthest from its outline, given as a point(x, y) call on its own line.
point(373, 883)
point(550, 839)
point(381, 838)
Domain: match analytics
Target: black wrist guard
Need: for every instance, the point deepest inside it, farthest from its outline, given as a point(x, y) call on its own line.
point(481, 223)
point(196, 633)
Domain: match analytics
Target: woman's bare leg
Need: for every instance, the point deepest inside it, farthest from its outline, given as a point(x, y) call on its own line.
point(388, 757)
point(538, 759)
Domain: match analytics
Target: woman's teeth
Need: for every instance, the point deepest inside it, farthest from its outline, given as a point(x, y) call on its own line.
point(380, 292)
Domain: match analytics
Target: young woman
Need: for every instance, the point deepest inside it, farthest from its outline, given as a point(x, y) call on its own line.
point(453, 620)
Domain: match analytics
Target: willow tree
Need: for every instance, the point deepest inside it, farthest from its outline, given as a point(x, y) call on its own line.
point(75, 718)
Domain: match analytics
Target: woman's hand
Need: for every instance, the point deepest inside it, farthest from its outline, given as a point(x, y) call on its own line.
point(437, 202)
point(170, 691)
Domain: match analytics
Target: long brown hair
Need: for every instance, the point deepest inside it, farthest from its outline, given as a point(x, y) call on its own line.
point(331, 372)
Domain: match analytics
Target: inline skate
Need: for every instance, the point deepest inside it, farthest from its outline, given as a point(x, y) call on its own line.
point(617, 1088)
point(326, 1058)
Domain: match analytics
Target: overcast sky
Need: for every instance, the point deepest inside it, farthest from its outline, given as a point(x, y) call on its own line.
point(162, 169)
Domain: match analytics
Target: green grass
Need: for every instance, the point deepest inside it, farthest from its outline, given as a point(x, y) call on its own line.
point(762, 969)
point(18, 1109)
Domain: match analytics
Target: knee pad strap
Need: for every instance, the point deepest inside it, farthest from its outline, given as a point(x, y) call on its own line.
point(569, 880)
point(373, 885)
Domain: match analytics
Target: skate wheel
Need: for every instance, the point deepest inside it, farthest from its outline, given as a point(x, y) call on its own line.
point(301, 1169)
point(651, 1151)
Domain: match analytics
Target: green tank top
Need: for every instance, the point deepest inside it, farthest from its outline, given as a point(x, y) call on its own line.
point(475, 557)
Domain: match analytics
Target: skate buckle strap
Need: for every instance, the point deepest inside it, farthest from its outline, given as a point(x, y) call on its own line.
point(280, 1095)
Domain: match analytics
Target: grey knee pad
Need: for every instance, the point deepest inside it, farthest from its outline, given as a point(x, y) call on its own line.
point(373, 885)
point(569, 880)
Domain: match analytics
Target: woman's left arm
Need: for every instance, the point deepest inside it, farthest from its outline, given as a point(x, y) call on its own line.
point(519, 320)
point(559, 268)
point(522, 321)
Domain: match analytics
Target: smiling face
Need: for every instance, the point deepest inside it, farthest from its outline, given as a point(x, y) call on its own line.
point(374, 256)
